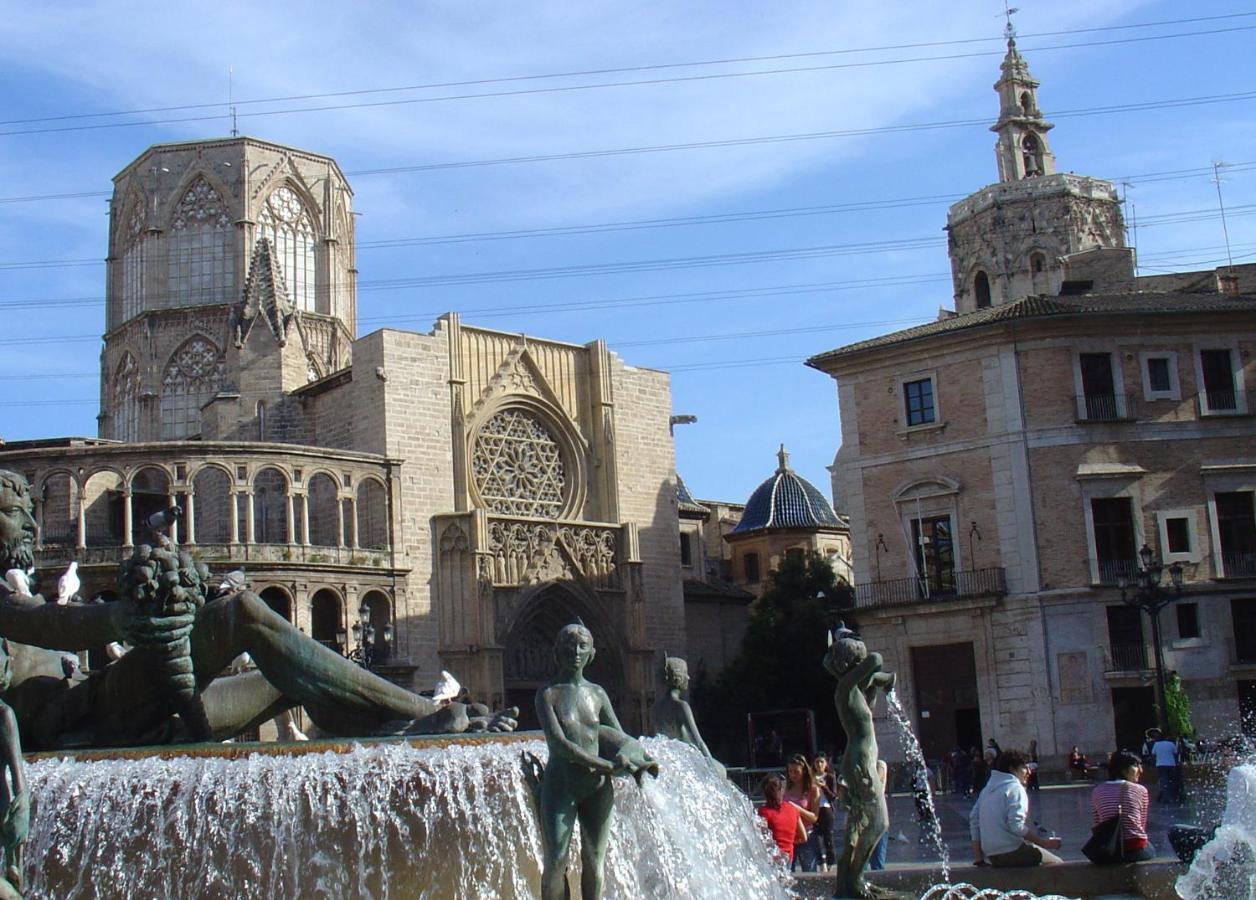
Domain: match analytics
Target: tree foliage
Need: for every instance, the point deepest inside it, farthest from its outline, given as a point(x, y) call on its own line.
point(1178, 706)
point(779, 665)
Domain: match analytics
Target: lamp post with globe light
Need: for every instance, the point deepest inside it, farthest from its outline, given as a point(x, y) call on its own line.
point(364, 634)
point(1144, 591)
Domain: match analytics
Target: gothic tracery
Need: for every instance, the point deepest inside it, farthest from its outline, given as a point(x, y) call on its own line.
point(518, 466)
point(285, 220)
point(193, 376)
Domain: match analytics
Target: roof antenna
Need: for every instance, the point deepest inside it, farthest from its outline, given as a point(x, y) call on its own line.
point(235, 132)
point(1217, 166)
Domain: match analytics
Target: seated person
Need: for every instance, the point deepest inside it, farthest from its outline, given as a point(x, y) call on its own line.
point(1123, 792)
point(783, 818)
point(999, 823)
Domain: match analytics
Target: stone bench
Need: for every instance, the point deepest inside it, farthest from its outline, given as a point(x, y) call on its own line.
point(1153, 879)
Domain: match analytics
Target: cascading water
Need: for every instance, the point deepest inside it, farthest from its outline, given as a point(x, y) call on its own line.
point(1225, 867)
point(386, 819)
point(916, 759)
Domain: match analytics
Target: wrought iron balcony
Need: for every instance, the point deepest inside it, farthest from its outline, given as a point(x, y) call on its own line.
point(1111, 571)
point(1126, 658)
point(1238, 565)
point(967, 584)
point(1225, 403)
point(1105, 408)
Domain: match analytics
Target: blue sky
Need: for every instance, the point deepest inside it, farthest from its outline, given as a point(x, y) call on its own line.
point(733, 330)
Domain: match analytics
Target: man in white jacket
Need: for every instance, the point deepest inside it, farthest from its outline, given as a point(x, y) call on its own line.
point(999, 822)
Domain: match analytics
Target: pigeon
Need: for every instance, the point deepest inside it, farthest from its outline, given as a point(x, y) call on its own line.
point(241, 663)
point(290, 732)
point(68, 585)
point(447, 688)
point(69, 665)
point(115, 651)
point(19, 581)
point(233, 581)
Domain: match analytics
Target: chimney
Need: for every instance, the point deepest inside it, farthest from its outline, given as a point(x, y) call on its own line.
point(1228, 283)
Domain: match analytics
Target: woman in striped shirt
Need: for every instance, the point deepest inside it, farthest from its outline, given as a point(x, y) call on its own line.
point(1123, 793)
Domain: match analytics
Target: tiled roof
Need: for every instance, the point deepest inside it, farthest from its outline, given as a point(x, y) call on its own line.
point(786, 500)
point(684, 499)
point(1038, 307)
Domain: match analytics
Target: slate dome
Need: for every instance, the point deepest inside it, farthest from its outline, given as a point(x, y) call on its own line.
point(786, 500)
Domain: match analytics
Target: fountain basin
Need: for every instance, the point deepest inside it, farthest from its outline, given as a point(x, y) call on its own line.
point(412, 817)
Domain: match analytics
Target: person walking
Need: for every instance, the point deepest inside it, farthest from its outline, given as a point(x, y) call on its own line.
point(826, 781)
point(999, 825)
point(1122, 795)
point(1168, 769)
point(801, 790)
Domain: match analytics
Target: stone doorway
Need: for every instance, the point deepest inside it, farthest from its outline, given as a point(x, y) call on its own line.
point(948, 712)
point(1133, 712)
point(529, 651)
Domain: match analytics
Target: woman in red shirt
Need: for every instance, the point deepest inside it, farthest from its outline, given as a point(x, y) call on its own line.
point(784, 819)
point(1123, 794)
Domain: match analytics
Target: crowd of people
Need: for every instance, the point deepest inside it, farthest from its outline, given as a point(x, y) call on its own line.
point(801, 807)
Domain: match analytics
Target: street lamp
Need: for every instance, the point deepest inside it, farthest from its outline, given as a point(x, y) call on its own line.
point(364, 638)
point(1145, 592)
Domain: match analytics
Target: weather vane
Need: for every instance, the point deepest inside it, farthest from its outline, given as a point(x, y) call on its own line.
point(1010, 30)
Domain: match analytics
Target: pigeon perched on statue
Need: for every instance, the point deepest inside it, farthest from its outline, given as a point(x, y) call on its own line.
point(447, 689)
point(115, 650)
point(19, 581)
point(69, 665)
point(68, 585)
point(233, 582)
point(160, 523)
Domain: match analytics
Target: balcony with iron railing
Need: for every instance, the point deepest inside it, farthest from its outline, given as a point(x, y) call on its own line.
point(1225, 403)
point(1125, 658)
point(1240, 564)
point(962, 585)
point(1110, 572)
point(1105, 408)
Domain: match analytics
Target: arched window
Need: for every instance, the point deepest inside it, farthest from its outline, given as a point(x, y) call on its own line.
point(285, 221)
point(260, 411)
point(324, 516)
point(981, 290)
point(134, 253)
point(327, 620)
point(199, 249)
point(1026, 103)
point(192, 377)
point(277, 599)
point(211, 489)
point(126, 402)
point(1031, 147)
point(372, 515)
point(270, 507)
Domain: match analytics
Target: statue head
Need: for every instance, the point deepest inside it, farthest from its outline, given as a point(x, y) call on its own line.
point(845, 652)
point(17, 524)
point(573, 648)
point(675, 672)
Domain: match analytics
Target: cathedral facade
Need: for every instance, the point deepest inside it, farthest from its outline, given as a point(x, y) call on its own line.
point(468, 491)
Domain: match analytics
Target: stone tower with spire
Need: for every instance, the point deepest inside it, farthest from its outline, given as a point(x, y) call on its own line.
point(1015, 237)
point(230, 285)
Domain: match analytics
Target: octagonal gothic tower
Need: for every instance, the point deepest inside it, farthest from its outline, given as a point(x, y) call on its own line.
point(206, 239)
point(1012, 238)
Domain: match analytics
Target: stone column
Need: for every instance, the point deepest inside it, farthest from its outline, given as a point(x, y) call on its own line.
point(189, 514)
point(291, 522)
point(305, 520)
point(128, 524)
point(81, 523)
point(340, 522)
point(172, 500)
point(235, 517)
point(353, 523)
point(249, 525)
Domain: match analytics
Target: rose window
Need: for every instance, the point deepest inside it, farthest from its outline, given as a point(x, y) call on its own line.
point(518, 466)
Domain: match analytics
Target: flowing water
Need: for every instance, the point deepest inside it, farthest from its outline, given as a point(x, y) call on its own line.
point(1225, 867)
point(384, 820)
point(916, 759)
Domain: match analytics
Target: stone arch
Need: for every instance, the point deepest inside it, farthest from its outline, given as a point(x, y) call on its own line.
point(125, 399)
point(103, 508)
point(59, 493)
point(150, 493)
point(199, 243)
point(372, 510)
point(192, 376)
point(380, 605)
point(981, 289)
point(327, 619)
point(270, 506)
point(528, 660)
point(551, 447)
point(211, 504)
point(1031, 150)
point(321, 497)
point(929, 486)
point(288, 217)
point(278, 599)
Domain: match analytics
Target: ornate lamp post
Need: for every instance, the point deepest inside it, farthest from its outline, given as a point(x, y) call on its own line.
point(1145, 592)
point(364, 638)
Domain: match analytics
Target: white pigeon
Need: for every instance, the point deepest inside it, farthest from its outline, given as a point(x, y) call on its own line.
point(68, 584)
point(241, 663)
point(447, 688)
point(233, 581)
point(19, 581)
point(115, 651)
point(290, 732)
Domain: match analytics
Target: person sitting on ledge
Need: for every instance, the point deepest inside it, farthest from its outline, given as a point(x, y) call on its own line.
point(1123, 794)
point(125, 705)
point(998, 824)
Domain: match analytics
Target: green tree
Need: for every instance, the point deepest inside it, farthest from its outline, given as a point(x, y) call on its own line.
point(1178, 706)
point(780, 662)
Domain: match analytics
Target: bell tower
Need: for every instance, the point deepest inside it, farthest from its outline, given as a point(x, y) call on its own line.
point(1022, 148)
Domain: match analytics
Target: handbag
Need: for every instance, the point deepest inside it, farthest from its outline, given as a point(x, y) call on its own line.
point(1106, 846)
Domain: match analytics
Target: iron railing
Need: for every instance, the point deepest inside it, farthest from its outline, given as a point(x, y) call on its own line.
point(1111, 571)
point(1105, 408)
point(1238, 565)
point(1224, 403)
point(1127, 658)
point(952, 586)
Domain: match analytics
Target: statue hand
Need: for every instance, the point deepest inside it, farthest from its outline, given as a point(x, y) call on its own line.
point(891, 680)
point(16, 823)
point(157, 633)
point(501, 722)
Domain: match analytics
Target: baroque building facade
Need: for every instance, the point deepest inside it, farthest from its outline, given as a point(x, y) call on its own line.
point(473, 490)
point(1031, 446)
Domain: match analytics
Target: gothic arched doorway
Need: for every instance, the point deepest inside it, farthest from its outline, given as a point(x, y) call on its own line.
point(529, 650)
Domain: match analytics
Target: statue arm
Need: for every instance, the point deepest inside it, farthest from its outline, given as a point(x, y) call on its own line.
point(607, 714)
point(856, 677)
point(693, 729)
point(71, 627)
